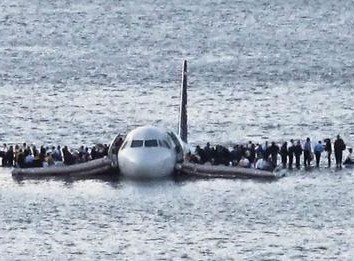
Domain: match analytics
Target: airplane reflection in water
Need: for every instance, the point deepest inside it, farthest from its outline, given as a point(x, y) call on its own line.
point(151, 152)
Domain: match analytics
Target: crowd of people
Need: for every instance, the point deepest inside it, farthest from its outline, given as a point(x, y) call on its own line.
point(265, 156)
point(25, 156)
point(261, 156)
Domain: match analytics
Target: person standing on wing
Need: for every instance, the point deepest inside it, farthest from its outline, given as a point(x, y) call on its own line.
point(328, 149)
point(284, 154)
point(307, 153)
point(318, 150)
point(339, 146)
point(297, 153)
point(291, 152)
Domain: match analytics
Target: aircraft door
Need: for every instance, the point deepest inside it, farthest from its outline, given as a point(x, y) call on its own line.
point(178, 147)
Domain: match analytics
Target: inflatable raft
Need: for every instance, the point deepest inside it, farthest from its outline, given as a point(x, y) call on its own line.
point(221, 171)
point(86, 169)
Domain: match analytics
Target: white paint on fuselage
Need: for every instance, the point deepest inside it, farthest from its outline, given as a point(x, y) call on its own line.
point(137, 160)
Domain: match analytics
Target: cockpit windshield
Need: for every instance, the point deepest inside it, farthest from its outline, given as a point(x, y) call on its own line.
point(151, 143)
point(146, 144)
point(137, 143)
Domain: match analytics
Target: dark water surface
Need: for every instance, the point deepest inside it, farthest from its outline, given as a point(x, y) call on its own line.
point(303, 216)
point(78, 72)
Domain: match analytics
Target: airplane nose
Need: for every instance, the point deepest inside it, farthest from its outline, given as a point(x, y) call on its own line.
point(148, 165)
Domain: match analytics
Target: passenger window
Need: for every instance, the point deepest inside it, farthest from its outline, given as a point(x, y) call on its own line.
point(151, 143)
point(137, 143)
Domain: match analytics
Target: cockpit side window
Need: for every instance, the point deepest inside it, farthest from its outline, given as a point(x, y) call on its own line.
point(137, 143)
point(151, 143)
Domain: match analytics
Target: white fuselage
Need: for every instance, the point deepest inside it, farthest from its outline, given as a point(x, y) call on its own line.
point(147, 152)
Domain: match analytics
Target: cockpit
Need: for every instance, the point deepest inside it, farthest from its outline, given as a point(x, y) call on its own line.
point(148, 151)
point(151, 143)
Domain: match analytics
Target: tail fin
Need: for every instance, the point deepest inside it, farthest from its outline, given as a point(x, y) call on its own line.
point(183, 128)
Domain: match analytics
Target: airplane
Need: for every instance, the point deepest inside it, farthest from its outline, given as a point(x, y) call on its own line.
point(152, 152)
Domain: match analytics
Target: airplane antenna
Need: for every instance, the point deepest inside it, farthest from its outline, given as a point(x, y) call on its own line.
point(183, 128)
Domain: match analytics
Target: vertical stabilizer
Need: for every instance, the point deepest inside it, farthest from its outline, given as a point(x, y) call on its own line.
point(183, 128)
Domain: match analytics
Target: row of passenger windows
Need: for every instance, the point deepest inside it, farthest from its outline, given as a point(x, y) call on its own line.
point(149, 143)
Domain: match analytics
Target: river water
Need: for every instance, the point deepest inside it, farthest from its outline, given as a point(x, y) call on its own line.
point(79, 72)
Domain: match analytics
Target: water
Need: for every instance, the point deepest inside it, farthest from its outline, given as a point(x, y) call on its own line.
point(80, 72)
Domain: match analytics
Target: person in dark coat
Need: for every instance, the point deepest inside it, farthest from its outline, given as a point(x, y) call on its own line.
point(200, 152)
point(93, 153)
point(291, 152)
point(328, 149)
point(10, 157)
point(339, 146)
point(3, 155)
point(252, 149)
point(284, 154)
point(273, 151)
point(298, 152)
point(236, 155)
point(208, 152)
point(68, 157)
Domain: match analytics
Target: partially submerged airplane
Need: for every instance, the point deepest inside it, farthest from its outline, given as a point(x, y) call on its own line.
point(151, 152)
point(148, 152)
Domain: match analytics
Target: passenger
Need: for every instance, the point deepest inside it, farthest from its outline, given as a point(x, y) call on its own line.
point(9, 155)
point(307, 153)
point(105, 150)
point(317, 151)
point(259, 151)
point(68, 157)
point(216, 157)
point(252, 150)
point(17, 151)
point(297, 153)
point(208, 152)
point(81, 155)
point(236, 155)
point(87, 154)
point(273, 151)
point(200, 153)
point(328, 149)
point(291, 152)
point(57, 156)
point(35, 151)
point(339, 146)
point(20, 161)
point(350, 158)
point(3, 153)
point(100, 151)
point(29, 159)
point(223, 155)
point(284, 154)
point(42, 154)
point(191, 157)
point(49, 159)
point(93, 153)
point(266, 151)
